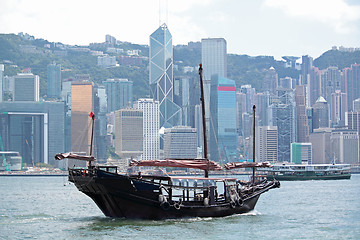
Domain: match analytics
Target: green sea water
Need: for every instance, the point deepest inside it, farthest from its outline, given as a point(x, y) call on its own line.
point(51, 208)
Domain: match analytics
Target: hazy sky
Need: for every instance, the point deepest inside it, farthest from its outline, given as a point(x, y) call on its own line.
point(253, 27)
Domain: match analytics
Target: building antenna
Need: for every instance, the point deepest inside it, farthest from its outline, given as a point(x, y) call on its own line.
point(159, 13)
point(166, 9)
point(163, 12)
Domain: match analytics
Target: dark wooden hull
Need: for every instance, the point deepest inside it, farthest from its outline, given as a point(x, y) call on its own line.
point(117, 196)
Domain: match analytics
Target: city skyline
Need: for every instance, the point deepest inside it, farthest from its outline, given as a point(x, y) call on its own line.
point(266, 27)
point(287, 109)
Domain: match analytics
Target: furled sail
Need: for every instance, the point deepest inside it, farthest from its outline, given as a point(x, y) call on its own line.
point(61, 156)
point(202, 164)
point(232, 165)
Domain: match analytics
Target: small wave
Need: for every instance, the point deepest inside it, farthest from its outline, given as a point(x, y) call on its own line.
point(251, 213)
point(31, 218)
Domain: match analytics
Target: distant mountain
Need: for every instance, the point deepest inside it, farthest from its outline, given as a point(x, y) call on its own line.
point(251, 70)
point(337, 58)
point(20, 52)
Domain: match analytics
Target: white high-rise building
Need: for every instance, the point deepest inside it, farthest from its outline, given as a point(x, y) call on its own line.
point(214, 57)
point(266, 144)
point(151, 126)
point(1, 81)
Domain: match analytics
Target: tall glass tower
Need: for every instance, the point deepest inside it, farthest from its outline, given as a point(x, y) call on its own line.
point(54, 80)
point(161, 76)
point(1, 81)
point(119, 93)
point(223, 135)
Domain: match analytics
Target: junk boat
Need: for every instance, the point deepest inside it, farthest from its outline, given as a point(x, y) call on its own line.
point(140, 196)
point(294, 172)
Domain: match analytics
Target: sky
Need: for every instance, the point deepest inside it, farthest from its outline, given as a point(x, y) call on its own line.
point(253, 27)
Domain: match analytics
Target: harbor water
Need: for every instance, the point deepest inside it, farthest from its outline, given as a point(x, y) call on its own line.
point(51, 208)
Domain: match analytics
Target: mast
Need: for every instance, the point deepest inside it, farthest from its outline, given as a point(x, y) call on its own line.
point(92, 115)
point(203, 120)
point(253, 176)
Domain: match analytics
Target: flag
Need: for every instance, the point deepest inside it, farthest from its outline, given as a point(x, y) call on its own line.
point(92, 115)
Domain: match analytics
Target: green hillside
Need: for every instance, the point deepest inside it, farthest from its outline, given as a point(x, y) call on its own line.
point(337, 58)
point(73, 62)
point(15, 54)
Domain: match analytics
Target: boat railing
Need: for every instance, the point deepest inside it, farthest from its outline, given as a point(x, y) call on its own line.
point(91, 171)
point(83, 172)
point(212, 192)
point(198, 192)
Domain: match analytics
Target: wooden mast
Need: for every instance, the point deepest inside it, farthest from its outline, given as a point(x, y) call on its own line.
point(92, 115)
point(253, 176)
point(203, 120)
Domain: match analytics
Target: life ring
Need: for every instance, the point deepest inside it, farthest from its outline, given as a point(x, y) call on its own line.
point(177, 206)
point(165, 206)
point(232, 204)
point(239, 202)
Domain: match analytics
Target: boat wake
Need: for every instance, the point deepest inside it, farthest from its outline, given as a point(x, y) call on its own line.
point(251, 213)
point(187, 220)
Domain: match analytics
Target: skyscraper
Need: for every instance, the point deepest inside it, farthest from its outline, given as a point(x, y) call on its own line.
point(351, 83)
point(283, 116)
point(35, 129)
point(180, 142)
point(266, 144)
point(223, 134)
point(151, 126)
point(320, 140)
point(250, 94)
point(129, 132)
point(356, 105)
point(338, 108)
point(26, 87)
point(315, 85)
point(331, 79)
point(270, 82)
point(161, 76)
point(186, 96)
point(82, 103)
point(286, 83)
point(1, 81)
point(119, 93)
point(352, 121)
point(262, 102)
point(306, 65)
point(214, 61)
point(53, 81)
point(214, 57)
point(302, 118)
point(321, 114)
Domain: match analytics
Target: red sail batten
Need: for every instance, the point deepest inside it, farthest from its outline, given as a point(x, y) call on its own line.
point(233, 165)
point(182, 163)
